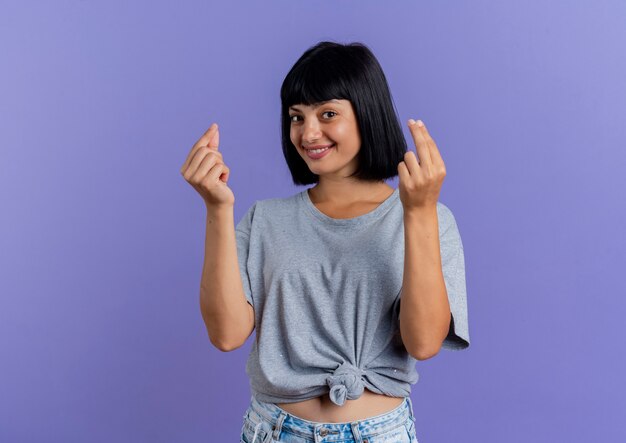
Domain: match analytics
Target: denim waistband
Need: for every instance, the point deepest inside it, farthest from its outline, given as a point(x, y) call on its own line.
point(273, 419)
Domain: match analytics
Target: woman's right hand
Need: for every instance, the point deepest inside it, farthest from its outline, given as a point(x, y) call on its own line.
point(205, 170)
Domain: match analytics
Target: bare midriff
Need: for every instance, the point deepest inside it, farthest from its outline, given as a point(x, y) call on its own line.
point(322, 410)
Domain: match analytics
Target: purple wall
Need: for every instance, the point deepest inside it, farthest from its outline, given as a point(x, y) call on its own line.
point(101, 337)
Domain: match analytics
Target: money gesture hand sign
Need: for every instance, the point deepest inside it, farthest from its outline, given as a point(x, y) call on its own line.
point(420, 180)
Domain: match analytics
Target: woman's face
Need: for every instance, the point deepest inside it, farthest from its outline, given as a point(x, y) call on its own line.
point(331, 123)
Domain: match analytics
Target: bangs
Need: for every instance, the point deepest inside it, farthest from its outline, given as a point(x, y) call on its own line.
point(312, 83)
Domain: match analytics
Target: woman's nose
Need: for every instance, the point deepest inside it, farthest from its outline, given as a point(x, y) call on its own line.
point(311, 131)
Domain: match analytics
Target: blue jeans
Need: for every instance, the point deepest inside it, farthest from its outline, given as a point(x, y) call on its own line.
point(267, 423)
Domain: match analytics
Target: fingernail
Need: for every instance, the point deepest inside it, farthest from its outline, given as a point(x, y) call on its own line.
point(411, 122)
point(420, 123)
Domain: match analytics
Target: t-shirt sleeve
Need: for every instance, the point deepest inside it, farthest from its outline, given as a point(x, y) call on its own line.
point(453, 266)
point(242, 235)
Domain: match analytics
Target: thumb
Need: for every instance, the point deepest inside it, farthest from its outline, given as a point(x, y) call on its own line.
point(215, 140)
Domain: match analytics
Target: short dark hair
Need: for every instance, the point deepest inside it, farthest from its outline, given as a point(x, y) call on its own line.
point(351, 72)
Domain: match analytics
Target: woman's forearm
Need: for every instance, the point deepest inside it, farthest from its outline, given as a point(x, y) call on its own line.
point(223, 304)
point(424, 307)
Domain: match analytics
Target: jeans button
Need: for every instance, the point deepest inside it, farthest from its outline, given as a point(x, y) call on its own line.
point(323, 432)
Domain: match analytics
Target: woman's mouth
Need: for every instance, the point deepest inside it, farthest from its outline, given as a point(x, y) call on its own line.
point(318, 153)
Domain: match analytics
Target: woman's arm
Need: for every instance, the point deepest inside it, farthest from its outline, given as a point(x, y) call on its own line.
point(228, 316)
point(424, 307)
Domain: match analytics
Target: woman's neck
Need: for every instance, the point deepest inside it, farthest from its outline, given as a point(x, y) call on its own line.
point(344, 192)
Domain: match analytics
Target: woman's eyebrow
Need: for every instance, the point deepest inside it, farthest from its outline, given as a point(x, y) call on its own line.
point(317, 105)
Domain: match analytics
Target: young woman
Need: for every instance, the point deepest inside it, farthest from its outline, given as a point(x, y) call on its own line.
point(321, 274)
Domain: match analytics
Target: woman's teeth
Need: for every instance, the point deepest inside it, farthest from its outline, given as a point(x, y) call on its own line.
point(317, 151)
point(316, 154)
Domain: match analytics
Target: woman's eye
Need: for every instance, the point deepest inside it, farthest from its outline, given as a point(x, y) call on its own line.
point(293, 117)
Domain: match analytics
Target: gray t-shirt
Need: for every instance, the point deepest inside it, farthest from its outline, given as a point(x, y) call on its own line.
point(326, 296)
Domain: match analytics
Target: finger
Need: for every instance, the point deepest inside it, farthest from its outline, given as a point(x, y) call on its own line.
point(203, 141)
point(214, 174)
point(195, 150)
point(203, 171)
point(196, 162)
point(412, 165)
point(207, 136)
point(421, 145)
point(205, 163)
point(214, 142)
point(403, 172)
point(435, 155)
point(225, 174)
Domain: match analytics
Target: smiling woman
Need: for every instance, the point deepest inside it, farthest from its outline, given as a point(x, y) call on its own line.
point(326, 131)
point(330, 373)
point(348, 282)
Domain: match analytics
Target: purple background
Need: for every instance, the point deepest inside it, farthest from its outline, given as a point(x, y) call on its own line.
point(102, 240)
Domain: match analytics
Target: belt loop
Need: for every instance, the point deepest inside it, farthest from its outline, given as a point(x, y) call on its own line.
point(279, 425)
point(408, 399)
point(355, 432)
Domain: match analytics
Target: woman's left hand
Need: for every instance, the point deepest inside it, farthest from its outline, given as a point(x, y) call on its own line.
point(420, 181)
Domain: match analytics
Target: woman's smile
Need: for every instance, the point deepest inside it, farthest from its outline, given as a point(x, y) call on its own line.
point(316, 154)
